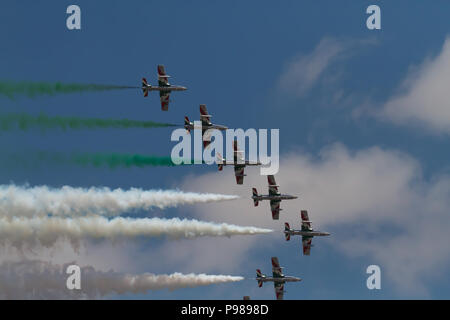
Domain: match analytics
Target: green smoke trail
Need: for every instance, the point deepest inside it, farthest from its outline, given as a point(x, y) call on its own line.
point(25, 122)
point(33, 160)
point(114, 160)
point(111, 160)
point(33, 89)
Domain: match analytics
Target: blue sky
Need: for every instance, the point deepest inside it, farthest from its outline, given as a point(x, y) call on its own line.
point(233, 56)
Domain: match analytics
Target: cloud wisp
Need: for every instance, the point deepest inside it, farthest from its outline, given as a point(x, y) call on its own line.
point(423, 99)
point(304, 71)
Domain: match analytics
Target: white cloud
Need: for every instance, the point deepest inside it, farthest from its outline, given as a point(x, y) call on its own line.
point(304, 71)
point(424, 99)
point(323, 68)
point(396, 217)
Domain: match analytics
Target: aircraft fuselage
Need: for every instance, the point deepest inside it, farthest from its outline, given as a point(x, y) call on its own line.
point(279, 279)
point(191, 126)
point(240, 163)
point(215, 126)
point(306, 233)
point(169, 88)
point(274, 197)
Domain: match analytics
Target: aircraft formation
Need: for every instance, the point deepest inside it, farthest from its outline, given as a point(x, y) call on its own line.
point(239, 163)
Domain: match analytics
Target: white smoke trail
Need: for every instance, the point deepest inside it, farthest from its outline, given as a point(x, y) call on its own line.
point(22, 232)
point(69, 201)
point(34, 279)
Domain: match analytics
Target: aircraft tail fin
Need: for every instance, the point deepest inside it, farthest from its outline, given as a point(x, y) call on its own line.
point(144, 87)
point(287, 228)
point(187, 123)
point(219, 161)
point(255, 193)
point(259, 275)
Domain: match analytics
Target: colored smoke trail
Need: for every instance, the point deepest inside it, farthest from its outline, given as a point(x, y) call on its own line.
point(114, 160)
point(21, 232)
point(12, 89)
point(25, 122)
point(36, 279)
point(111, 160)
point(68, 201)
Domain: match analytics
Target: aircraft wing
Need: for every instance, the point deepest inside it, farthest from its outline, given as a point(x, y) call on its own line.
point(237, 153)
point(279, 290)
point(306, 242)
point(276, 269)
point(279, 285)
point(163, 78)
point(275, 207)
point(204, 116)
point(306, 224)
point(273, 188)
point(164, 96)
point(206, 137)
point(239, 173)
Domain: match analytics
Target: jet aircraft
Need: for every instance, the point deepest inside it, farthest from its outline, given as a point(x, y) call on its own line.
point(239, 163)
point(206, 124)
point(274, 196)
point(278, 278)
point(306, 232)
point(164, 87)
